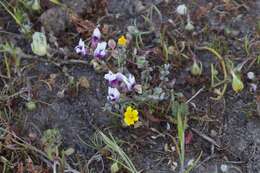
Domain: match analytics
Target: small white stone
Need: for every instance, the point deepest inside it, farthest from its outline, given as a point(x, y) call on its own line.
point(224, 168)
point(251, 75)
point(182, 9)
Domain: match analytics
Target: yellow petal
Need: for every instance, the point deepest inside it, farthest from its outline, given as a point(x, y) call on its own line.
point(122, 41)
point(135, 112)
point(129, 109)
point(136, 118)
point(128, 121)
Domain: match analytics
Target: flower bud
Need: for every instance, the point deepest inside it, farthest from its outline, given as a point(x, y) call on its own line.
point(196, 69)
point(36, 5)
point(237, 84)
point(39, 44)
point(189, 26)
point(30, 105)
point(111, 44)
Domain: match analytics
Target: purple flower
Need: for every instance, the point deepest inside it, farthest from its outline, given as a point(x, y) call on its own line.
point(81, 48)
point(100, 51)
point(118, 79)
point(113, 94)
point(112, 79)
point(96, 37)
point(253, 87)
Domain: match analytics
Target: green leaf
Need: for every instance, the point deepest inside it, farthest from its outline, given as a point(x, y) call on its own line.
point(69, 151)
point(114, 168)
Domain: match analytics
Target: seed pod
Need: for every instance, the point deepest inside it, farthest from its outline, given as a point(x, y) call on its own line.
point(31, 105)
point(196, 69)
point(237, 84)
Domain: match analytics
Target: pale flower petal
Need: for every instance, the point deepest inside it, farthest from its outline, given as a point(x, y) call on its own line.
point(81, 48)
point(100, 50)
point(113, 94)
point(96, 33)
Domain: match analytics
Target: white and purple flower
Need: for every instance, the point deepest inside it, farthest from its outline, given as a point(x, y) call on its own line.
point(100, 51)
point(113, 94)
point(118, 79)
point(96, 38)
point(81, 48)
point(112, 79)
point(130, 82)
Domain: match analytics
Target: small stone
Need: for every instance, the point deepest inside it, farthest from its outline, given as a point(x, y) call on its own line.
point(213, 133)
point(224, 168)
point(54, 20)
point(84, 82)
point(32, 136)
point(182, 9)
point(139, 7)
point(251, 75)
point(78, 6)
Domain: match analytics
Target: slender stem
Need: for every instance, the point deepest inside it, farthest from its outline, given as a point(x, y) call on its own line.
point(223, 65)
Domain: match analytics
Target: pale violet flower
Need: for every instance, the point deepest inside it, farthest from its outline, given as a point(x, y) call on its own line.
point(113, 94)
point(112, 78)
point(100, 51)
point(253, 87)
point(96, 37)
point(118, 79)
point(129, 81)
point(81, 48)
point(182, 9)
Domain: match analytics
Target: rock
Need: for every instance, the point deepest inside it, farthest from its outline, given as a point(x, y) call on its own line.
point(55, 20)
point(78, 6)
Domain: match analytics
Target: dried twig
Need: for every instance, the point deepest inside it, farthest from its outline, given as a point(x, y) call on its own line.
point(207, 138)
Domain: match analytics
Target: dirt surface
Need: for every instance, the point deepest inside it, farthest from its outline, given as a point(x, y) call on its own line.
point(232, 123)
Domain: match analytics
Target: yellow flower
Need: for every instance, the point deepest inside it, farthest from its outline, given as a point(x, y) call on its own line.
point(130, 116)
point(122, 41)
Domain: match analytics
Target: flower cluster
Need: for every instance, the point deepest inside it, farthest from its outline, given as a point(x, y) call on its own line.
point(96, 44)
point(118, 82)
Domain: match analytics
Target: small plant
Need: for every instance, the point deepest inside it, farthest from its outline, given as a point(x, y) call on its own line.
point(51, 140)
point(258, 59)
point(180, 111)
point(19, 15)
point(120, 156)
point(134, 31)
point(247, 45)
